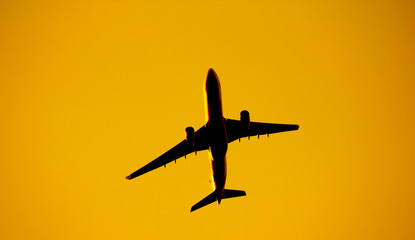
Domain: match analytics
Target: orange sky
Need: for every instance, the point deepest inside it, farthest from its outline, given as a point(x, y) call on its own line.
point(89, 92)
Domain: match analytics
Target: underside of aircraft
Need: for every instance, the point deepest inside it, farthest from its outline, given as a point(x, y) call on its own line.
point(215, 136)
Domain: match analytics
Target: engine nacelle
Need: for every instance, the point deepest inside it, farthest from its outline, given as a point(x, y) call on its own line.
point(245, 121)
point(190, 137)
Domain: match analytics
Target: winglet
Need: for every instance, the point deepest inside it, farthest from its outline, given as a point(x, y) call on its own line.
point(128, 177)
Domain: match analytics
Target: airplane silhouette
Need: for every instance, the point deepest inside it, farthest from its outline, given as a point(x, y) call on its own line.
point(215, 136)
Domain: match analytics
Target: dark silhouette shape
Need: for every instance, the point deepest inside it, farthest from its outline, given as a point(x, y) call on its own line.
point(215, 136)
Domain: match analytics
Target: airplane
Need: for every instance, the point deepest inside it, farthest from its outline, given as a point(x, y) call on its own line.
point(215, 136)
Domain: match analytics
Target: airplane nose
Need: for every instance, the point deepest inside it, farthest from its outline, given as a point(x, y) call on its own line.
point(211, 75)
point(211, 80)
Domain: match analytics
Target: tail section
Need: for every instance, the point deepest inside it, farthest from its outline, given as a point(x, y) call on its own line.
point(227, 193)
point(205, 201)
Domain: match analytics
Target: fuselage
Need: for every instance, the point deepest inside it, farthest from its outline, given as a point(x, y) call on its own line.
point(218, 136)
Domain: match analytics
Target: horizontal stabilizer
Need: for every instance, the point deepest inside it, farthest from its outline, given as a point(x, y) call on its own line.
point(205, 201)
point(228, 193)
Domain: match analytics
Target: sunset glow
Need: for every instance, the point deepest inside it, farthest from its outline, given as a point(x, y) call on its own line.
point(92, 90)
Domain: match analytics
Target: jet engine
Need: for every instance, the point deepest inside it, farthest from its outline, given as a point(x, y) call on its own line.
point(190, 137)
point(245, 121)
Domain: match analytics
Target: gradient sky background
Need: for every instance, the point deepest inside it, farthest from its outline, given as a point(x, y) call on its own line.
point(91, 91)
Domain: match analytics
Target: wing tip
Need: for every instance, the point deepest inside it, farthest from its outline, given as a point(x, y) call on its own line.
point(128, 177)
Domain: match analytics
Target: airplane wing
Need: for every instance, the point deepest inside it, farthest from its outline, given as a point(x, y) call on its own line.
point(235, 130)
point(180, 150)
